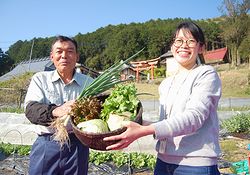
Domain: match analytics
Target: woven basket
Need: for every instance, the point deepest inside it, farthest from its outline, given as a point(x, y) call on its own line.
point(94, 140)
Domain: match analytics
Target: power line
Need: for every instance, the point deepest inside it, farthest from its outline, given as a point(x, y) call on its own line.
point(31, 53)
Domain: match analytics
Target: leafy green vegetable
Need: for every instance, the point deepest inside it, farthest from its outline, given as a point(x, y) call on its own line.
point(121, 100)
point(8, 149)
point(94, 126)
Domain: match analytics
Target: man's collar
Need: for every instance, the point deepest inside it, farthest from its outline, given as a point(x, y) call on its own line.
point(76, 77)
point(55, 76)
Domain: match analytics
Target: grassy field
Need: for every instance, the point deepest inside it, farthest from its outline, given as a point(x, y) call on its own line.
point(147, 90)
point(235, 83)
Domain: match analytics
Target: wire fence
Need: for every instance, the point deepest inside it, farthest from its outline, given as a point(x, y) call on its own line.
point(17, 137)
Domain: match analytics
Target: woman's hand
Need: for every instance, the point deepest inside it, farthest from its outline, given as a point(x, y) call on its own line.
point(133, 132)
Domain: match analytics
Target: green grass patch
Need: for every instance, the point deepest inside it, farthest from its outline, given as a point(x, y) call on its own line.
point(12, 110)
point(228, 145)
point(241, 108)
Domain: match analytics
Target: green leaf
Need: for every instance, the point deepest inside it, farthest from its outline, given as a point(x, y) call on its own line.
point(123, 98)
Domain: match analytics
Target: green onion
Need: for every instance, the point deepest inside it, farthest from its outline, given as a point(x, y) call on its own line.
point(108, 79)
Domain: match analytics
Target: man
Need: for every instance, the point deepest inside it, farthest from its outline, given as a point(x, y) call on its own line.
point(50, 95)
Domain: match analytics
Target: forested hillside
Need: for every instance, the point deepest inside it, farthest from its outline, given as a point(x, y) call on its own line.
point(109, 44)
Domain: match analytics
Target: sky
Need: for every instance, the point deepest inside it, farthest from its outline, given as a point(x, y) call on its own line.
point(28, 19)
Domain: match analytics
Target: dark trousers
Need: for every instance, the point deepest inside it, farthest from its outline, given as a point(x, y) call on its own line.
point(47, 157)
point(163, 168)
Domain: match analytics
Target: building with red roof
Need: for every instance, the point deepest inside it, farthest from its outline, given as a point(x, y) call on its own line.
point(216, 56)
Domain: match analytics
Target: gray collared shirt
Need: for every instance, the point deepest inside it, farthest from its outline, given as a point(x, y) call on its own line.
point(48, 88)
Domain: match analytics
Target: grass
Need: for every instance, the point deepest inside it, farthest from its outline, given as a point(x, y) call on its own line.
point(235, 82)
point(12, 110)
point(147, 90)
point(241, 108)
point(234, 149)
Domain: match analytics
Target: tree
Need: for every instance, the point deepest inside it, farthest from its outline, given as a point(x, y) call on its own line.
point(235, 26)
point(5, 63)
point(20, 51)
point(244, 48)
point(212, 34)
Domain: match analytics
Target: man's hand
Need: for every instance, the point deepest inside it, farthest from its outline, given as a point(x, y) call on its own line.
point(63, 109)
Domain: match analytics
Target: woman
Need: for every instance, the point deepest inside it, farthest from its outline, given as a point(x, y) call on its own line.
point(187, 132)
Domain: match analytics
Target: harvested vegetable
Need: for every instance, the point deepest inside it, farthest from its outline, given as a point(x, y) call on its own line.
point(123, 99)
point(108, 79)
point(115, 121)
point(94, 126)
point(119, 106)
point(86, 109)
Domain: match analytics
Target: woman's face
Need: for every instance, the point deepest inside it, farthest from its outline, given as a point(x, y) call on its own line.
point(185, 49)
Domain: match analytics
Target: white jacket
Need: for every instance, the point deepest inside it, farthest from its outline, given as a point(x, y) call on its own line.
point(188, 132)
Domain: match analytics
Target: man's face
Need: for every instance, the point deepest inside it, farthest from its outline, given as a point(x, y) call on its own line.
point(64, 56)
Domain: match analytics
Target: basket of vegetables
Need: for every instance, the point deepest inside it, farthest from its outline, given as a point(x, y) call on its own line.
point(95, 116)
point(104, 116)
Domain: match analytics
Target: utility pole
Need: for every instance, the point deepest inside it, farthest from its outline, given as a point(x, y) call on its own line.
point(31, 53)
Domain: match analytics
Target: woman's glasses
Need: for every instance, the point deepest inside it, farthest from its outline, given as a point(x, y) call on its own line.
point(190, 42)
